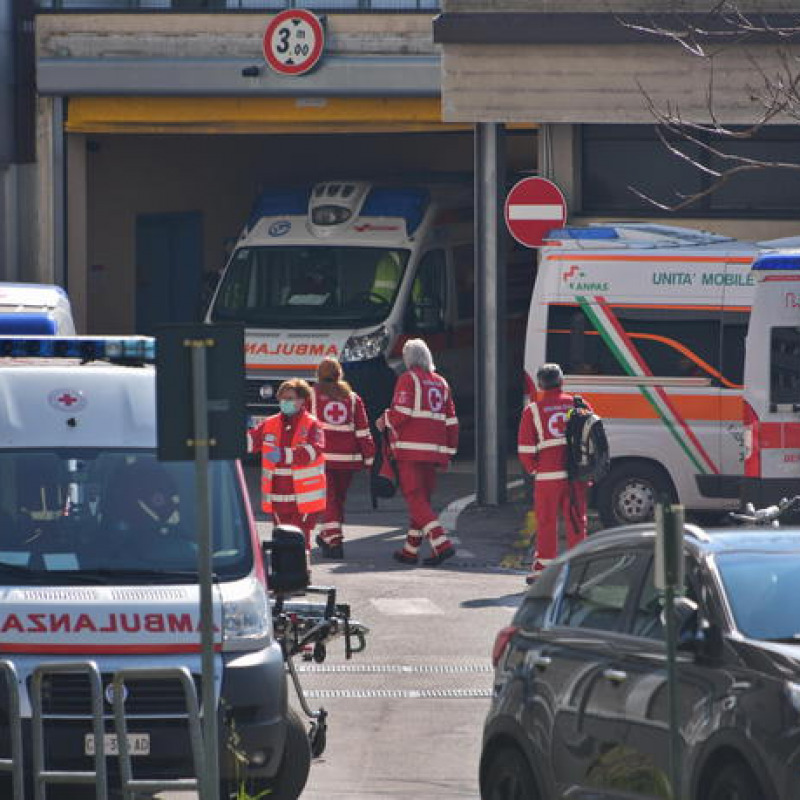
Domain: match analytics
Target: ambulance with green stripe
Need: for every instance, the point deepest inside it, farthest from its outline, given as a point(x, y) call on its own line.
point(648, 323)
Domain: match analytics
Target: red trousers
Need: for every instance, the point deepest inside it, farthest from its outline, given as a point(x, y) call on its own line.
point(554, 498)
point(417, 482)
point(339, 481)
point(287, 514)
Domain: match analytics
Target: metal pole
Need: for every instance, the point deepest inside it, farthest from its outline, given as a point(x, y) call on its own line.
point(210, 788)
point(490, 317)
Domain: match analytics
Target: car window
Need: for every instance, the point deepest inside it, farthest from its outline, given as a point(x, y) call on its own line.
point(535, 608)
point(648, 619)
point(597, 591)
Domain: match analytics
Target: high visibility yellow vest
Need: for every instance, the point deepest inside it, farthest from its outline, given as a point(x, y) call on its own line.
point(308, 481)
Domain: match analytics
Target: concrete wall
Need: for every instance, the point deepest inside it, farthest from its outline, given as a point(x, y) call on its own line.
point(617, 6)
point(219, 176)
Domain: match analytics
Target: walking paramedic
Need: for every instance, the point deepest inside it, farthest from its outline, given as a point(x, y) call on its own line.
point(349, 447)
point(292, 446)
point(423, 432)
point(542, 449)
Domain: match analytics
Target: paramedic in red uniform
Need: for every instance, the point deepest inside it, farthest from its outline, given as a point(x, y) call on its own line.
point(292, 446)
point(349, 447)
point(423, 431)
point(542, 450)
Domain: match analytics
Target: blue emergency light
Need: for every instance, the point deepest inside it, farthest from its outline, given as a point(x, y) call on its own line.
point(594, 233)
point(777, 261)
point(32, 323)
point(280, 203)
point(409, 204)
point(116, 350)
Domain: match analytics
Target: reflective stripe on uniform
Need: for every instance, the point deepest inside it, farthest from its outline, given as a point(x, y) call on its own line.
point(537, 421)
point(289, 455)
point(427, 446)
point(346, 428)
point(363, 433)
point(451, 421)
point(557, 442)
point(430, 526)
point(438, 541)
point(551, 476)
point(528, 448)
point(343, 457)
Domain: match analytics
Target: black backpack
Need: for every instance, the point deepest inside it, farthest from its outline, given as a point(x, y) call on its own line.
point(587, 446)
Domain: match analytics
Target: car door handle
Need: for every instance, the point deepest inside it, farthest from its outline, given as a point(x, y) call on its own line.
point(542, 662)
point(615, 675)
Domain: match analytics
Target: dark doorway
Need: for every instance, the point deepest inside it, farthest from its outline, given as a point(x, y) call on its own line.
point(169, 267)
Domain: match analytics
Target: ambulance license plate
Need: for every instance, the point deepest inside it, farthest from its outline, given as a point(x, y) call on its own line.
point(138, 744)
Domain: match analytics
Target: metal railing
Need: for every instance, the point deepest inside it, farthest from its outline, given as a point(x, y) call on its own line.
point(270, 6)
point(14, 765)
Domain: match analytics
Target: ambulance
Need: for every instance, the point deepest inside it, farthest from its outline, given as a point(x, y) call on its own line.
point(649, 323)
point(99, 566)
point(353, 269)
point(772, 380)
point(35, 309)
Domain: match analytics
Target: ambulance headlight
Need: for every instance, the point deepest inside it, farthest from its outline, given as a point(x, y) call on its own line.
point(330, 215)
point(370, 345)
point(246, 618)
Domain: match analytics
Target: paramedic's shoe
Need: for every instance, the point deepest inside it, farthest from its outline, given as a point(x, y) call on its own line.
point(438, 558)
point(330, 550)
point(404, 557)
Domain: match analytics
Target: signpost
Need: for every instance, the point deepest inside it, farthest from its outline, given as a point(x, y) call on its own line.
point(200, 417)
point(534, 207)
point(669, 579)
point(293, 41)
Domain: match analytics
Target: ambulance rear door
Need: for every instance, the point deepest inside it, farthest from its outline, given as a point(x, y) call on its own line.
point(772, 381)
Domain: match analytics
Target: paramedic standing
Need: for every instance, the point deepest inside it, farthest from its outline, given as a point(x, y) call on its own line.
point(423, 433)
point(349, 447)
point(542, 449)
point(292, 446)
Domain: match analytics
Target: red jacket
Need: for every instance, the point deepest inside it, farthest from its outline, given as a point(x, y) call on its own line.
point(422, 419)
point(348, 441)
point(542, 446)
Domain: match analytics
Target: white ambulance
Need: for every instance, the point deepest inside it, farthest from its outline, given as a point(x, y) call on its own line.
point(648, 323)
point(353, 269)
point(772, 380)
point(98, 563)
point(35, 309)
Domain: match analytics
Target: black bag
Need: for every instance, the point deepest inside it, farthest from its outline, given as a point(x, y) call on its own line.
point(587, 446)
point(383, 478)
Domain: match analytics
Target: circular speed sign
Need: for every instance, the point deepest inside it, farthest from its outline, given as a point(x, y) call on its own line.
point(293, 41)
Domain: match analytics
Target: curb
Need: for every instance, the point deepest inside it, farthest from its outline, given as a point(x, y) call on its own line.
point(451, 513)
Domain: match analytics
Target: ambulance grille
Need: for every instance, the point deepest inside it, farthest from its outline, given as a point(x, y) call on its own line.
point(69, 695)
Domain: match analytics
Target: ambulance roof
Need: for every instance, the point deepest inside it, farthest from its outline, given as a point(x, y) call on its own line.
point(640, 235)
point(51, 399)
point(31, 295)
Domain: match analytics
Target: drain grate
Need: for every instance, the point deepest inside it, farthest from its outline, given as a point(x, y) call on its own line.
point(399, 694)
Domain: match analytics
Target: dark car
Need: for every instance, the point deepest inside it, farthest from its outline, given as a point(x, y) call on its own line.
point(580, 703)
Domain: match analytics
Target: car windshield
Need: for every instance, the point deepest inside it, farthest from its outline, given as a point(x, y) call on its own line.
point(762, 592)
point(310, 286)
point(99, 515)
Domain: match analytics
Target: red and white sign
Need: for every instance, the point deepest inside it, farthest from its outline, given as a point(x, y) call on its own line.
point(534, 207)
point(293, 41)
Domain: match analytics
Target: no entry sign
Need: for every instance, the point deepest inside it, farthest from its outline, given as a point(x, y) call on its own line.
point(293, 41)
point(534, 207)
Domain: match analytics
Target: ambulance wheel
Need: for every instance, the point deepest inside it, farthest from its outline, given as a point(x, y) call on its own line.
point(292, 775)
point(630, 491)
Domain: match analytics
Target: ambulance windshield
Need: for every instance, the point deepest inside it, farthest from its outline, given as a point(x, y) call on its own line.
point(111, 516)
point(310, 286)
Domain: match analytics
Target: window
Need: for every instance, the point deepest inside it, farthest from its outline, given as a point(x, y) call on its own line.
point(616, 159)
point(429, 293)
point(784, 371)
point(535, 608)
point(597, 591)
point(648, 619)
point(673, 343)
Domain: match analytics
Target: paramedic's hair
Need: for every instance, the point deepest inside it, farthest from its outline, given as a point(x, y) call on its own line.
point(329, 379)
point(298, 385)
point(417, 354)
point(549, 376)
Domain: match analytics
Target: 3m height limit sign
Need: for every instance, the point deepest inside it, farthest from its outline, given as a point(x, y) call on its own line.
point(534, 207)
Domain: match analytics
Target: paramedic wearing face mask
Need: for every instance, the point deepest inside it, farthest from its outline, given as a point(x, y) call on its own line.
point(349, 447)
point(542, 449)
point(423, 432)
point(292, 445)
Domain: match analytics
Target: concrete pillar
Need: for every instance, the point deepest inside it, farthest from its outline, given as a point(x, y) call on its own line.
point(49, 266)
point(490, 316)
point(77, 234)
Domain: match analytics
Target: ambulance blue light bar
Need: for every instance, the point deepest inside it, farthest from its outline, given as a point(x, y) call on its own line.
point(116, 349)
point(777, 261)
point(594, 233)
point(386, 201)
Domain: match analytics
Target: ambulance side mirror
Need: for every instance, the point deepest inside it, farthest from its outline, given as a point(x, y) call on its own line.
point(285, 560)
point(426, 315)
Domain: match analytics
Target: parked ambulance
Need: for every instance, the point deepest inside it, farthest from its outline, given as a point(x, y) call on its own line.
point(353, 269)
point(772, 380)
point(99, 563)
point(35, 309)
point(649, 324)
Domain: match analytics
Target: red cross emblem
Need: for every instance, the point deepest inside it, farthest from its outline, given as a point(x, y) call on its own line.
point(435, 399)
point(557, 424)
point(67, 400)
point(335, 413)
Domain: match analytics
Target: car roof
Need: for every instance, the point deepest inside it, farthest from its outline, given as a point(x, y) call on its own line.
point(712, 541)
